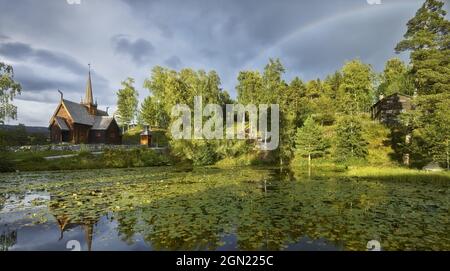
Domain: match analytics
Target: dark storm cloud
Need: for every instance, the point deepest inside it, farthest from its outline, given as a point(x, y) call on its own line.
point(38, 82)
point(209, 53)
point(3, 37)
point(312, 38)
point(173, 62)
point(139, 50)
point(239, 29)
point(342, 39)
point(230, 35)
point(23, 51)
point(165, 30)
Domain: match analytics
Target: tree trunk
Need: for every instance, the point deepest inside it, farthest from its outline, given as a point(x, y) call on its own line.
point(448, 158)
point(309, 165)
point(406, 160)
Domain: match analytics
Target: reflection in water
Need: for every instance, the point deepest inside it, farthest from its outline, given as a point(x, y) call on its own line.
point(216, 209)
point(88, 228)
point(7, 239)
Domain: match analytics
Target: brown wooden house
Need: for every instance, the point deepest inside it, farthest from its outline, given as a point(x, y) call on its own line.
point(387, 109)
point(83, 123)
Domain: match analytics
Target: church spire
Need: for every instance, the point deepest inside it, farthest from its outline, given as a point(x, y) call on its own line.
point(88, 99)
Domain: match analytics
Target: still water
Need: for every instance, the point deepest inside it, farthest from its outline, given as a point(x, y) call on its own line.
point(219, 209)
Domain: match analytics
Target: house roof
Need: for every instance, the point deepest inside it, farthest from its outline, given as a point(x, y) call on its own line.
point(61, 123)
point(79, 113)
point(101, 113)
point(101, 122)
point(394, 94)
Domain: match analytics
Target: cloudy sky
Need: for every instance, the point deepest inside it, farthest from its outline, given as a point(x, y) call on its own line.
point(50, 42)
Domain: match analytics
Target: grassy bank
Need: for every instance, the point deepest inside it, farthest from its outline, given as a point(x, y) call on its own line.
point(35, 161)
point(396, 174)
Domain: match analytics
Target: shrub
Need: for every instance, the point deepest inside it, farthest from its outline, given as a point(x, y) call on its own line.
point(84, 154)
point(133, 158)
point(116, 158)
point(204, 154)
point(151, 158)
point(6, 163)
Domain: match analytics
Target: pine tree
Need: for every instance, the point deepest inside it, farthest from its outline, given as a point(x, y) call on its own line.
point(310, 141)
point(350, 142)
point(428, 40)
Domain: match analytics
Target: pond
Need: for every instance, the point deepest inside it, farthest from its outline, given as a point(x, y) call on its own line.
point(167, 208)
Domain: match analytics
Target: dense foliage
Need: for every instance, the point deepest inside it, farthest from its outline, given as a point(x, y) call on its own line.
point(18, 136)
point(338, 104)
point(127, 103)
point(428, 41)
point(9, 88)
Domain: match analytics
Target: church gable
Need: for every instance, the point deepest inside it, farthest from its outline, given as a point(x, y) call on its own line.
point(61, 112)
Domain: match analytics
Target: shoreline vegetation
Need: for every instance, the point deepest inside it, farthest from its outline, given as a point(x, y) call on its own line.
point(326, 124)
point(143, 159)
point(377, 165)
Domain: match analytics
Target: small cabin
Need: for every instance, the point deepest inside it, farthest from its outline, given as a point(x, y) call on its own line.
point(387, 109)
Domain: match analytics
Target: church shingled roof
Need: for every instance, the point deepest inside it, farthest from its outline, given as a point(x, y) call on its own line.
point(62, 124)
point(79, 113)
point(102, 122)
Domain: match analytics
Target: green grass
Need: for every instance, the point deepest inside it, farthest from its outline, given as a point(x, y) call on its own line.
point(22, 155)
point(35, 161)
point(396, 174)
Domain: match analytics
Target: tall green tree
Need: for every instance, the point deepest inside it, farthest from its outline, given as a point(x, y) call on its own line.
point(292, 111)
point(171, 87)
point(310, 141)
point(332, 84)
point(249, 88)
point(273, 83)
point(152, 113)
point(350, 143)
point(436, 132)
point(319, 101)
point(395, 79)
point(276, 91)
point(428, 40)
point(127, 102)
point(269, 87)
point(9, 88)
point(356, 89)
point(429, 130)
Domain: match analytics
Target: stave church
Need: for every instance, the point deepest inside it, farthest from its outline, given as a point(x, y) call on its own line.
point(83, 123)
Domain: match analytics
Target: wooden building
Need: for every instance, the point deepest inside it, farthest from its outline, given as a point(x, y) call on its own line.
point(387, 109)
point(83, 122)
